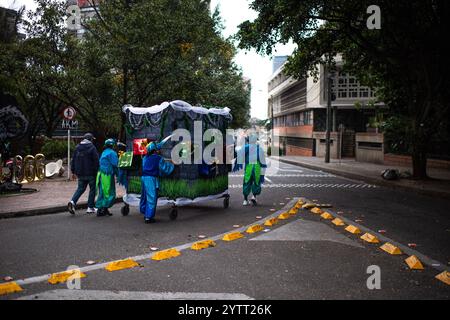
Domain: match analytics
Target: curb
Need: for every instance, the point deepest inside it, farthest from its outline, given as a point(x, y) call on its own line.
point(44, 210)
point(366, 179)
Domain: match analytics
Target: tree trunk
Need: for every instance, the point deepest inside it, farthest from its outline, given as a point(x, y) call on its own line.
point(419, 151)
point(419, 160)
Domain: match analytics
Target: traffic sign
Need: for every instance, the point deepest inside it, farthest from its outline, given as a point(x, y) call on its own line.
point(69, 113)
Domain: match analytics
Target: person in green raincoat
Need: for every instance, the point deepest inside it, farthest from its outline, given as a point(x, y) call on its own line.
point(106, 185)
point(252, 158)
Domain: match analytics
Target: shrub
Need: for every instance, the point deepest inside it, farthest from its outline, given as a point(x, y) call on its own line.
point(56, 149)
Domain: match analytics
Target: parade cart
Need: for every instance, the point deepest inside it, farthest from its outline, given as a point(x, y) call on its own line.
point(189, 182)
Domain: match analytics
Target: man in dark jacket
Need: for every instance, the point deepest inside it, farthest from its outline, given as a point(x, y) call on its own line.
point(84, 166)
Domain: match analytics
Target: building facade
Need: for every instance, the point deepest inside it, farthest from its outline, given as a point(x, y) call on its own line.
point(297, 108)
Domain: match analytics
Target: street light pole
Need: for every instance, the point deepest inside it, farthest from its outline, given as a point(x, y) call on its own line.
point(327, 149)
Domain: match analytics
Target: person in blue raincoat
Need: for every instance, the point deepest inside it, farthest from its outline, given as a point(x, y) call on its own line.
point(153, 167)
point(251, 158)
point(106, 185)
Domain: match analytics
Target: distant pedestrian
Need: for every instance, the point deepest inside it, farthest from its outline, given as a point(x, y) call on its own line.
point(251, 157)
point(84, 167)
point(106, 183)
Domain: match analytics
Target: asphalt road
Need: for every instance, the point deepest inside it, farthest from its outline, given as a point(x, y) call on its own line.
point(303, 257)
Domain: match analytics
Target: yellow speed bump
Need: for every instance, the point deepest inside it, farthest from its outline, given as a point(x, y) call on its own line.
point(166, 254)
point(308, 206)
point(284, 216)
point(9, 287)
point(121, 264)
point(391, 249)
point(62, 277)
point(255, 228)
point(444, 277)
point(271, 222)
point(316, 210)
point(326, 216)
point(370, 238)
point(338, 222)
point(232, 236)
point(203, 245)
point(353, 229)
point(414, 263)
point(293, 211)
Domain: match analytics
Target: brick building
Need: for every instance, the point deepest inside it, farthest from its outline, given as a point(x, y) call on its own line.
point(297, 108)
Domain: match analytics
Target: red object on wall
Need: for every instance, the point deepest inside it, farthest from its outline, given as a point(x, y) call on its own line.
point(87, 3)
point(140, 146)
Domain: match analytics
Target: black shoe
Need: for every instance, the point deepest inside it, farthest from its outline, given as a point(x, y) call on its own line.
point(71, 207)
point(152, 220)
point(108, 213)
point(101, 212)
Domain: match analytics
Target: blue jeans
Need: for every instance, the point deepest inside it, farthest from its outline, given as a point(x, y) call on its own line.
point(83, 182)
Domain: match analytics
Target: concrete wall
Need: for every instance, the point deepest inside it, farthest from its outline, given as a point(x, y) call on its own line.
point(321, 146)
point(406, 161)
point(369, 147)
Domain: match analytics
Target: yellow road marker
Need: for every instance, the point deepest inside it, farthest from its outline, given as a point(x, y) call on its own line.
point(370, 238)
point(316, 210)
point(391, 249)
point(255, 228)
point(338, 222)
point(308, 206)
point(444, 277)
point(232, 236)
point(284, 216)
point(414, 263)
point(326, 216)
point(62, 277)
point(271, 222)
point(121, 264)
point(9, 287)
point(353, 229)
point(293, 211)
point(203, 245)
point(166, 254)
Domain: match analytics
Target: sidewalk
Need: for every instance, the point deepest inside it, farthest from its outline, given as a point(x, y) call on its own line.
point(52, 196)
point(371, 173)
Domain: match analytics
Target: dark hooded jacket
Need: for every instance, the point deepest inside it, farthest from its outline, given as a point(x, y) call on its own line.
point(85, 160)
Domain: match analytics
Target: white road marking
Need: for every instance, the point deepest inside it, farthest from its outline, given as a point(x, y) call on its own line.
point(265, 178)
point(291, 175)
point(304, 230)
point(182, 247)
point(66, 294)
point(307, 185)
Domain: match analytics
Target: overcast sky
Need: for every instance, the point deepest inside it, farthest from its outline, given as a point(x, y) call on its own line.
point(254, 66)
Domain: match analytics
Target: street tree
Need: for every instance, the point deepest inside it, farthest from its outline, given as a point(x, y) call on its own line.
point(402, 55)
point(161, 50)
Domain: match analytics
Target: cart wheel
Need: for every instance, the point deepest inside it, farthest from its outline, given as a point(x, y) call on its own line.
point(173, 214)
point(125, 210)
point(226, 202)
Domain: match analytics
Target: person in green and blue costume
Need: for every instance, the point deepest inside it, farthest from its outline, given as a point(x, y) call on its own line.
point(153, 167)
point(252, 155)
point(106, 185)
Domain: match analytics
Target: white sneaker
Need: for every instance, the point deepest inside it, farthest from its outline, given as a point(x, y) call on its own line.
point(245, 203)
point(253, 200)
point(91, 210)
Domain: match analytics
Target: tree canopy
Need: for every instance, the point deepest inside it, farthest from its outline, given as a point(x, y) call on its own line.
point(405, 60)
point(139, 52)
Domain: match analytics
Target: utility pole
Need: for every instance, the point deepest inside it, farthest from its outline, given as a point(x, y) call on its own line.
point(327, 150)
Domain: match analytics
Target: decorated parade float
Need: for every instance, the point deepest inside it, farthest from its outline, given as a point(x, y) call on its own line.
point(191, 182)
